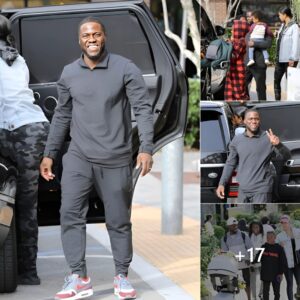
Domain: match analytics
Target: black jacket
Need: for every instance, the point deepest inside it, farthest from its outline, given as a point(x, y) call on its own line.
point(258, 55)
point(273, 262)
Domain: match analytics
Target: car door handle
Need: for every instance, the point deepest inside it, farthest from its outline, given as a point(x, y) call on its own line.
point(212, 165)
point(292, 185)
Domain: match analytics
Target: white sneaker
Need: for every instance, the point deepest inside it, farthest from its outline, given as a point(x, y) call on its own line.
point(267, 62)
point(250, 63)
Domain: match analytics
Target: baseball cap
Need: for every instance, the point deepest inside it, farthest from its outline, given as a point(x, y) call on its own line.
point(284, 218)
point(231, 221)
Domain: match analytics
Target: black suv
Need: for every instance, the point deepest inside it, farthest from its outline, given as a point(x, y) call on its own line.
point(217, 132)
point(47, 38)
point(212, 81)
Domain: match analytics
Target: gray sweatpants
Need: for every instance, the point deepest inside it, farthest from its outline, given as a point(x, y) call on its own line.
point(255, 197)
point(114, 187)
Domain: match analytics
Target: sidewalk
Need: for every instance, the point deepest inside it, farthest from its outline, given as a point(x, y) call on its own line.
point(270, 86)
point(177, 257)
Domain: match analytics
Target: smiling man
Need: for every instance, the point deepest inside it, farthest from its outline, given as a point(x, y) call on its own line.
point(252, 153)
point(96, 94)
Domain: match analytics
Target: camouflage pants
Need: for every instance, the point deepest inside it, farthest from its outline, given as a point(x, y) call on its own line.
point(25, 146)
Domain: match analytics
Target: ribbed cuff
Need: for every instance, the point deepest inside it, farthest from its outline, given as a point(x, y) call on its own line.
point(146, 149)
point(50, 154)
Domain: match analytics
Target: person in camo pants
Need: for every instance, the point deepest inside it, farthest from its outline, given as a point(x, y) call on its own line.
point(23, 134)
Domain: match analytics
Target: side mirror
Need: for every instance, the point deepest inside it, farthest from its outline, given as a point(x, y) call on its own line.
point(219, 30)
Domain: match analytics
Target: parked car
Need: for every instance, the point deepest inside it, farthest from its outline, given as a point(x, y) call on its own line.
point(47, 37)
point(212, 81)
point(217, 132)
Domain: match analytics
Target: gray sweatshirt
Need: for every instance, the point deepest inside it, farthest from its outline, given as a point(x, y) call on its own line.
point(252, 155)
point(96, 106)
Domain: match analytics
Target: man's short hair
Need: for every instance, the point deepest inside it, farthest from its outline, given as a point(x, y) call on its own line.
point(271, 232)
point(249, 110)
point(91, 19)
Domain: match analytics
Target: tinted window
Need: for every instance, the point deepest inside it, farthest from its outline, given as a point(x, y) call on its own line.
point(284, 121)
point(50, 42)
point(207, 30)
point(212, 137)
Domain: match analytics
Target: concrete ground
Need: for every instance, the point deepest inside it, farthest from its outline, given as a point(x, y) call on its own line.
point(163, 266)
point(270, 86)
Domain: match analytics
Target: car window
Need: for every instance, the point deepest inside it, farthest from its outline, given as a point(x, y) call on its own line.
point(283, 120)
point(58, 42)
point(207, 29)
point(212, 132)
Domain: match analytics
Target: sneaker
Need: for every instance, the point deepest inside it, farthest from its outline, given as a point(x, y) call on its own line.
point(250, 63)
point(123, 288)
point(267, 62)
point(75, 288)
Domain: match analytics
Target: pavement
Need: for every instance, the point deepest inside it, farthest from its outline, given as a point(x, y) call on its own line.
point(176, 256)
point(163, 266)
point(270, 86)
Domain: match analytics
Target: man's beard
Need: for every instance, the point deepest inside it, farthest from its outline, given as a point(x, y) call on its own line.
point(95, 57)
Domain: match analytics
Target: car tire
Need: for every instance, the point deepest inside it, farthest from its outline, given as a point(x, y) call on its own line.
point(8, 251)
point(8, 262)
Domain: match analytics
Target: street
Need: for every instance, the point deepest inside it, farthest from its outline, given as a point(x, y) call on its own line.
point(163, 267)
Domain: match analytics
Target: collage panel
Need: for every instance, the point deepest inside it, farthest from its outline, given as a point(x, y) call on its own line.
point(260, 170)
point(249, 53)
point(250, 150)
point(250, 251)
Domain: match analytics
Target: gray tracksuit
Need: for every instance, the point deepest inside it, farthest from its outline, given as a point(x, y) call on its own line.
point(252, 155)
point(96, 106)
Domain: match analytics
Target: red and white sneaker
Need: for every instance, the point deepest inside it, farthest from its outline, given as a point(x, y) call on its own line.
point(75, 288)
point(123, 288)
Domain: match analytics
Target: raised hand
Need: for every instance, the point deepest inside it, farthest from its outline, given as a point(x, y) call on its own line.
point(274, 139)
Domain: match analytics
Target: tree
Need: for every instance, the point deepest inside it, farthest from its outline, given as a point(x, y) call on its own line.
point(232, 10)
point(296, 8)
point(188, 7)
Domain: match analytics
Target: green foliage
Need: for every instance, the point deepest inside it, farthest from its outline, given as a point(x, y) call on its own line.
point(248, 217)
point(219, 231)
point(192, 132)
point(296, 223)
point(209, 246)
point(272, 51)
point(274, 217)
point(204, 290)
point(296, 9)
point(295, 215)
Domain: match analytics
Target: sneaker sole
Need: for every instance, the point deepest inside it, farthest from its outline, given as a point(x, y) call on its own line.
point(129, 296)
point(80, 295)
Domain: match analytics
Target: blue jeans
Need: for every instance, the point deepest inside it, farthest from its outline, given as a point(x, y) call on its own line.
point(251, 50)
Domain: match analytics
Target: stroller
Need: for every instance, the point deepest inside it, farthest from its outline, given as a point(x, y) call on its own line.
point(224, 275)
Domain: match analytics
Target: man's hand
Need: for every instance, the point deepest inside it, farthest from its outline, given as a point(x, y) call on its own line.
point(291, 63)
point(274, 140)
point(221, 191)
point(279, 277)
point(145, 161)
point(46, 168)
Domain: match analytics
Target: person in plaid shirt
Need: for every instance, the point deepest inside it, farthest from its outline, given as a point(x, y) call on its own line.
point(235, 87)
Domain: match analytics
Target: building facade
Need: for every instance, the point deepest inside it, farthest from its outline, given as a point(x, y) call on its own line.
point(217, 9)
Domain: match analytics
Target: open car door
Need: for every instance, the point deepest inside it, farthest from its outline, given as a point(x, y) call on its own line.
point(47, 37)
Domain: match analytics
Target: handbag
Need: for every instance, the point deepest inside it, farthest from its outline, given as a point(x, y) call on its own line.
point(293, 86)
